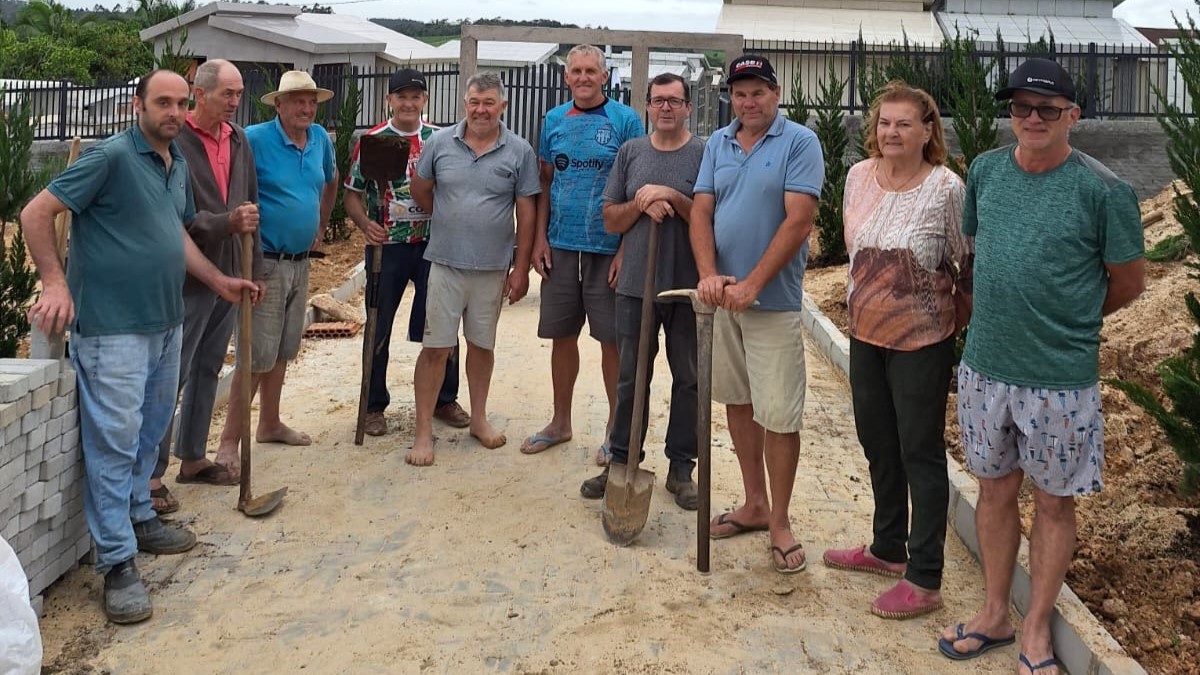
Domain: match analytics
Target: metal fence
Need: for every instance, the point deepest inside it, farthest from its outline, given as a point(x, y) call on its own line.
point(1114, 82)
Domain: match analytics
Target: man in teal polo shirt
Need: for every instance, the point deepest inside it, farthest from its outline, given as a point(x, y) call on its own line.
point(297, 184)
point(123, 300)
point(756, 196)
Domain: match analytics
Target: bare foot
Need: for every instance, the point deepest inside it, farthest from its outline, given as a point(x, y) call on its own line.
point(738, 521)
point(488, 436)
point(788, 556)
point(545, 439)
point(999, 629)
point(421, 453)
point(282, 434)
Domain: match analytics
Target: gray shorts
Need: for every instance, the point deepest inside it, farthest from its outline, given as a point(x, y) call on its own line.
point(468, 296)
point(1056, 436)
point(577, 289)
point(278, 321)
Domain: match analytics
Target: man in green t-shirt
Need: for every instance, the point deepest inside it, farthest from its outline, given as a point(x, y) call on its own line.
point(1058, 246)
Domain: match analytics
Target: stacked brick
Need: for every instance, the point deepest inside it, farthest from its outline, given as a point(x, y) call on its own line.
point(41, 469)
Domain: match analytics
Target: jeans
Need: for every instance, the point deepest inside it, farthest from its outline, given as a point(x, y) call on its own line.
point(127, 386)
point(900, 414)
point(678, 321)
point(400, 264)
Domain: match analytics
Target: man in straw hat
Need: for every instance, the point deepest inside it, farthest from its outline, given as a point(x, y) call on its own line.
point(297, 183)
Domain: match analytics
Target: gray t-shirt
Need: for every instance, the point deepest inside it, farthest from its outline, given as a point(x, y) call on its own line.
point(472, 223)
point(639, 163)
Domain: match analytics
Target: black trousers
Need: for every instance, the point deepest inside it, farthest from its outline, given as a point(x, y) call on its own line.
point(900, 415)
point(678, 321)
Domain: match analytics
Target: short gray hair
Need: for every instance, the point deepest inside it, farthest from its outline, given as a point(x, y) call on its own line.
point(486, 81)
point(208, 72)
point(587, 50)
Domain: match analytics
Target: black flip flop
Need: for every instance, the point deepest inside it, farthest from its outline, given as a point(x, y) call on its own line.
point(738, 528)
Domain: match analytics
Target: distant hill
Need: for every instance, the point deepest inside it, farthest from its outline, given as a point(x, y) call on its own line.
point(445, 28)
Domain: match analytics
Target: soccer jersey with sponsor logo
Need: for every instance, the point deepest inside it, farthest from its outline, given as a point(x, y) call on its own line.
point(403, 219)
point(581, 145)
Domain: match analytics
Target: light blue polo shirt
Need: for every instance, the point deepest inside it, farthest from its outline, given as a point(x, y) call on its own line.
point(290, 183)
point(126, 268)
point(749, 194)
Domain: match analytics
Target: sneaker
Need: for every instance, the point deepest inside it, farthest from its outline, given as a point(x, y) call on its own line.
point(680, 484)
point(905, 601)
point(154, 537)
point(375, 424)
point(125, 596)
point(594, 487)
point(453, 414)
point(857, 560)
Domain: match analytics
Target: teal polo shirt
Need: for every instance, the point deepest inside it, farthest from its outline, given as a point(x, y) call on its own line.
point(126, 267)
point(290, 182)
point(749, 189)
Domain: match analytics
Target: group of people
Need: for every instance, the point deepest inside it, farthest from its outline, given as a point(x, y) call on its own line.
point(1039, 244)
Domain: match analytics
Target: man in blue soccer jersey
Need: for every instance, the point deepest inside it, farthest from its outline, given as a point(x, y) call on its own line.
point(573, 253)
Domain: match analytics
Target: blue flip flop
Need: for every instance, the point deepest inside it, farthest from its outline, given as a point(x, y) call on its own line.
point(986, 644)
point(605, 456)
point(1044, 664)
point(546, 442)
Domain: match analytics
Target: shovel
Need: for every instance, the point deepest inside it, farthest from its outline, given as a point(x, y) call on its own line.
point(704, 342)
point(381, 159)
point(627, 495)
point(248, 504)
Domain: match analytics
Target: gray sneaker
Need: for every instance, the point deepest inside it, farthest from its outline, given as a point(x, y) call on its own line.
point(154, 537)
point(680, 484)
point(594, 487)
point(125, 597)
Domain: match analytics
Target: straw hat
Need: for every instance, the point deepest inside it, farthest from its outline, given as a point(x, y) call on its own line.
point(294, 81)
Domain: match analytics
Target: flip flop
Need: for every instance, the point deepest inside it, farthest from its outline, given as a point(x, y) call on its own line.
point(783, 556)
point(213, 474)
point(604, 455)
point(986, 644)
point(1032, 668)
point(540, 443)
point(172, 504)
point(738, 528)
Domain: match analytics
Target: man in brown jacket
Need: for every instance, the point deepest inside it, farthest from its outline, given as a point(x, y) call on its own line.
point(226, 193)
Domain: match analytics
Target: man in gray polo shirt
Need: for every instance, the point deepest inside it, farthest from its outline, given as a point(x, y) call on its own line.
point(470, 177)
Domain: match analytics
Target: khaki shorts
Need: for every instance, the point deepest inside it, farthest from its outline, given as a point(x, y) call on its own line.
point(278, 321)
point(469, 297)
point(758, 360)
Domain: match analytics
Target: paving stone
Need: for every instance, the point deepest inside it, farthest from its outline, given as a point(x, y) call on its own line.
point(36, 437)
point(33, 496)
point(11, 412)
point(33, 455)
point(13, 387)
point(66, 382)
point(43, 394)
point(51, 507)
point(61, 405)
point(33, 419)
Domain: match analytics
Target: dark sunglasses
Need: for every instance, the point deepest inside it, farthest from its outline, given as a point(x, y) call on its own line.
point(1049, 113)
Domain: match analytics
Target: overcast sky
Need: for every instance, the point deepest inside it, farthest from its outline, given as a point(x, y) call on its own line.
point(670, 15)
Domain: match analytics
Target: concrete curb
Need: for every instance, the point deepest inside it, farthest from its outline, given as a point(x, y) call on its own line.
point(1081, 643)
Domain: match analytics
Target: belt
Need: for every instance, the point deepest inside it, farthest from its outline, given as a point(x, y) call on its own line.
point(285, 256)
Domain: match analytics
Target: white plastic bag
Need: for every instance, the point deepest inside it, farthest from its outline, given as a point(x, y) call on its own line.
point(20, 641)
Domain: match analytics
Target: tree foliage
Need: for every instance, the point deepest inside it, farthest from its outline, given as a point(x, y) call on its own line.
point(343, 145)
point(18, 182)
point(831, 132)
point(973, 103)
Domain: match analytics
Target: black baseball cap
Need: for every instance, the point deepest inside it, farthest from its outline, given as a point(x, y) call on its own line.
point(1041, 76)
point(402, 79)
point(751, 65)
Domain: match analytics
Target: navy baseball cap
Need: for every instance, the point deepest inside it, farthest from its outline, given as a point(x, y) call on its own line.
point(751, 65)
point(405, 78)
point(1041, 76)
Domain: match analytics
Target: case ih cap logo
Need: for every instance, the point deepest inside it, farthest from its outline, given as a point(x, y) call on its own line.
point(751, 63)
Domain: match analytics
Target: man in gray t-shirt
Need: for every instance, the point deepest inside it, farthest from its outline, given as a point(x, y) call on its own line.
point(651, 185)
point(470, 177)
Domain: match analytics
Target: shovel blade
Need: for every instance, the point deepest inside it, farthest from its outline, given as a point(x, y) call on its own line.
point(262, 504)
point(626, 505)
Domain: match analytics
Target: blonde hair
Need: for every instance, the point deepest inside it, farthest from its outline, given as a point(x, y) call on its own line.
point(899, 91)
point(587, 50)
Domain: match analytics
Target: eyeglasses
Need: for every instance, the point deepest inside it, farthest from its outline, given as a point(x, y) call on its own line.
point(1049, 113)
point(672, 103)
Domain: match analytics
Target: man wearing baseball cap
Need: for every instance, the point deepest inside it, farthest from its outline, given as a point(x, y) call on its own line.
point(402, 228)
point(297, 184)
point(1058, 246)
point(756, 196)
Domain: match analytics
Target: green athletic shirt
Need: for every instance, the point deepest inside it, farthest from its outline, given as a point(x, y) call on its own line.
point(1041, 243)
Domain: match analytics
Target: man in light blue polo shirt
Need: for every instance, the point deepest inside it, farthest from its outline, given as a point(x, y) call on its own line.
point(756, 196)
point(297, 184)
point(122, 298)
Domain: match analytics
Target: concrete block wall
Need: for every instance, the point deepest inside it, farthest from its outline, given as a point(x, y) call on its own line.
point(41, 469)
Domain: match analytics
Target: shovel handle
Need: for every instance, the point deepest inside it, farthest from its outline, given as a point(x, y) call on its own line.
point(638, 419)
point(243, 363)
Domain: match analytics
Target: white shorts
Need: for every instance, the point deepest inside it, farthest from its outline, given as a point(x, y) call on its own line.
point(1056, 436)
point(758, 359)
point(469, 297)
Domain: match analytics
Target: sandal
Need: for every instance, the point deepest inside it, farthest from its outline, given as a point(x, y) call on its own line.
point(603, 454)
point(213, 474)
point(162, 501)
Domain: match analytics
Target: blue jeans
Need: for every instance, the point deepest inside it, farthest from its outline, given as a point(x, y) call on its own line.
point(127, 387)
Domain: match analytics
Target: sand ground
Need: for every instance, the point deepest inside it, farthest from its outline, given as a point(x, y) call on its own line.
point(490, 561)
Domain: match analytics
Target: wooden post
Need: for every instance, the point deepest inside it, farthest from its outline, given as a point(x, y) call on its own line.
point(42, 346)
